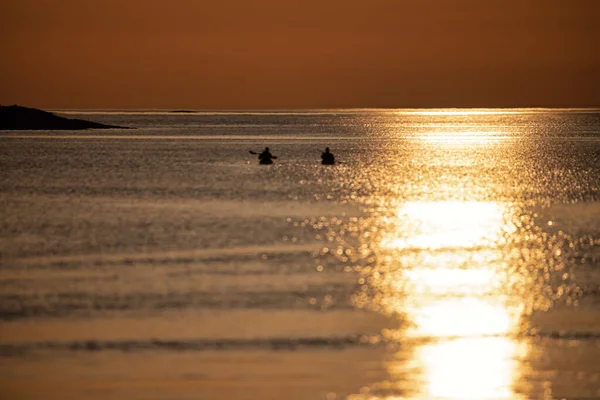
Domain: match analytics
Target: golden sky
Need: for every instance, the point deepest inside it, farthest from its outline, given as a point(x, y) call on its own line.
point(216, 54)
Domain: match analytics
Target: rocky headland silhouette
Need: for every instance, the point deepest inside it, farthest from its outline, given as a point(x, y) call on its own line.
point(24, 118)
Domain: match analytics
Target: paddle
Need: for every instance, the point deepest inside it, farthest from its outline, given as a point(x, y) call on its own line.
point(255, 153)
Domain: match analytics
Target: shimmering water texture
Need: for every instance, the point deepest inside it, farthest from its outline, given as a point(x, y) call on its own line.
point(451, 254)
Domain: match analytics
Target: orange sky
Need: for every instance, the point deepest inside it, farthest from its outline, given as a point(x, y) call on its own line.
point(299, 54)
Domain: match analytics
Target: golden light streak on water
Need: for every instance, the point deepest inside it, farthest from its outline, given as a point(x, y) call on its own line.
point(465, 137)
point(436, 225)
point(470, 368)
point(469, 112)
point(449, 286)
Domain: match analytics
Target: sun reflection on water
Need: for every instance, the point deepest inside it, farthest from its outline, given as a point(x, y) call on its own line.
point(469, 368)
point(457, 249)
point(465, 137)
point(468, 112)
point(449, 286)
point(446, 224)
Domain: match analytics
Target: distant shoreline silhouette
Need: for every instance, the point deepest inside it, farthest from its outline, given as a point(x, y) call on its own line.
point(24, 118)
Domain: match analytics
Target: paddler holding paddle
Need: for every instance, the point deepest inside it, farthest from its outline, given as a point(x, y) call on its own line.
point(265, 157)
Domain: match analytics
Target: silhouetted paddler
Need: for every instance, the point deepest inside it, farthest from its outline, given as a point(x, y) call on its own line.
point(327, 158)
point(266, 157)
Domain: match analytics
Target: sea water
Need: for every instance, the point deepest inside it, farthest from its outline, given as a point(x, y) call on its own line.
point(449, 254)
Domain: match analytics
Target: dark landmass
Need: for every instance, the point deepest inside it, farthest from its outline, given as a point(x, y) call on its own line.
point(23, 118)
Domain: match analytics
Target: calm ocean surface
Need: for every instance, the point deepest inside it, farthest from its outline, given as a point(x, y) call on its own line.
point(451, 254)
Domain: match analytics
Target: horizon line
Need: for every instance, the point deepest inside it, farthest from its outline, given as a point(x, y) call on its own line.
point(308, 109)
